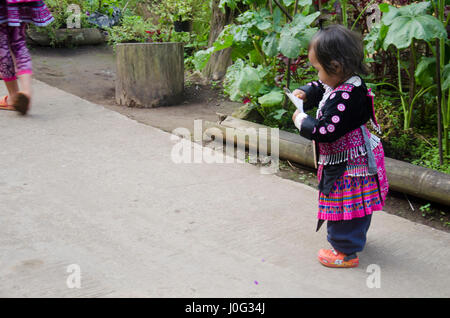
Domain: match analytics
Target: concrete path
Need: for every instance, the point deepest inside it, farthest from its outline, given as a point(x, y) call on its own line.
point(85, 189)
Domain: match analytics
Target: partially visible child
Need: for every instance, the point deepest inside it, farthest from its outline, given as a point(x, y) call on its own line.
point(351, 172)
point(15, 60)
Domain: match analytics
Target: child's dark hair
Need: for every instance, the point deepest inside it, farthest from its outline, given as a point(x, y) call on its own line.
point(337, 43)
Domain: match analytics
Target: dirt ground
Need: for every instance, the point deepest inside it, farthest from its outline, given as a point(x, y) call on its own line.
point(89, 72)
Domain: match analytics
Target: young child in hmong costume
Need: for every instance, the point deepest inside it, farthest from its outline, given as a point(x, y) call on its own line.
point(351, 172)
point(15, 59)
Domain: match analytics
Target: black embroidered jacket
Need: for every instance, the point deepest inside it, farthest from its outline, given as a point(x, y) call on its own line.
point(346, 109)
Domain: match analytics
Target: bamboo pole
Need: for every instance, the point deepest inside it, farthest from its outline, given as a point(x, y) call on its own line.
point(403, 177)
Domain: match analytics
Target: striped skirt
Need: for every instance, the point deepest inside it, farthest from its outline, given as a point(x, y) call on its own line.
point(355, 196)
point(32, 12)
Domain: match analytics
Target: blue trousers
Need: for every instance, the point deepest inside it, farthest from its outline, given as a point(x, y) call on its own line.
point(348, 237)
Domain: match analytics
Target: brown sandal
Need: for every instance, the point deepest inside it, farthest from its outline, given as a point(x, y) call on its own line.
point(21, 103)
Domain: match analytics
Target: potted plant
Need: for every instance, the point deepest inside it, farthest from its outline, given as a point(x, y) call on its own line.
point(75, 23)
point(180, 13)
point(150, 68)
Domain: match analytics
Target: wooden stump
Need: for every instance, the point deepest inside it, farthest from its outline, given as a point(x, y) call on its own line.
point(149, 74)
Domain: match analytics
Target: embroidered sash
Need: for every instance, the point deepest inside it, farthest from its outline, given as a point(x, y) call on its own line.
point(347, 148)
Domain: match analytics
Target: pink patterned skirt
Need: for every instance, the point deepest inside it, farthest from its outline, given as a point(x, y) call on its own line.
point(355, 196)
point(33, 12)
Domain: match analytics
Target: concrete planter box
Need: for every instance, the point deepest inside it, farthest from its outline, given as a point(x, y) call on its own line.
point(68, 37)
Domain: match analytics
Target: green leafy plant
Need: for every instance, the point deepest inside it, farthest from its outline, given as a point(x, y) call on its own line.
point(266, 46)
point(132, 29)
point(61, 15)
point(176, 10)
point(426, 209)
point(402, 28)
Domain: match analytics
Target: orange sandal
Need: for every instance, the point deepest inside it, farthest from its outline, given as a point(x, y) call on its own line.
point(4, 104)
point(333, 258)
point(22, 103)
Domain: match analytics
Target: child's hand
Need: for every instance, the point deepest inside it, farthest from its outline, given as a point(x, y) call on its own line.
point(295, 115)
point(300, 94)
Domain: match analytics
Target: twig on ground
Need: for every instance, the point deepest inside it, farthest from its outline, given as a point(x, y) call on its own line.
point(291, 165)
point(426, 140)
point(412, 208)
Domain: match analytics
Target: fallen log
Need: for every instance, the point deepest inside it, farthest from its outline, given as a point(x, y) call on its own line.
point(403, 177)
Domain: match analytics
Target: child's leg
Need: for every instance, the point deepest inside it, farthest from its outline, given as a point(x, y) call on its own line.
point(23, 58)
point(21, 101)
point(348, 237)
point(7, 70)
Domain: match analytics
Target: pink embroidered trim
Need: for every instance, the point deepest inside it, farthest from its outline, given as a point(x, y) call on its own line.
point(349, 216)
point(348, 147)
point(344, 87)
point(10, 79)
point(21, 1)
point(24, 72)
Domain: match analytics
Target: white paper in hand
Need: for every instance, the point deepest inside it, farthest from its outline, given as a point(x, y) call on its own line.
point(295, 100)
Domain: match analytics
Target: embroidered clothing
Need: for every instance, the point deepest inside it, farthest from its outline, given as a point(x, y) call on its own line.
point(12, 39)
point(13, 20)
point(15, 14)
point(351, 173)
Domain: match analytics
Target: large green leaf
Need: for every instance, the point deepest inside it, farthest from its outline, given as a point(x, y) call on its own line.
point(274, 98)
point(411, 22)
point(415, 9)
point(289, 45)
point(249, 81)
point(278, 113)
point(231, 80)
point(287, 3)
point(412, 10)
point(384, 7)
point(277, 19)
point(270, 44)
point(224, 41)
point(306, 36)
point(374, 40)
point(446, 77)
point(202, 57)
point(425, 71)
point(240, 33)
point(230, 3)
point(303, 20)
point(296, 35)
point(303, 3)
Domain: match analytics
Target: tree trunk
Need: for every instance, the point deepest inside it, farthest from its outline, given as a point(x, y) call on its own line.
point(149, 74)
point(219, 61)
